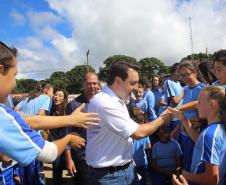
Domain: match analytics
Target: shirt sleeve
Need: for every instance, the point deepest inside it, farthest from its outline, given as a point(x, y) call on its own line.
point(19, 105)
point(17, 139)
point(211, 149)
point(45, 102)
point(178, 148)
point(147, 142)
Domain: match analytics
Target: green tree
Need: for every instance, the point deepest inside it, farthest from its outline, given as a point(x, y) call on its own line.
point(152, 66)
point(198, 56)
point(75, 78)
point(58, 75)
point(103, 74)
point(25, 85)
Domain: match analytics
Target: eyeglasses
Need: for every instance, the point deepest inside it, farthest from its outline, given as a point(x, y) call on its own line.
point(184, 75)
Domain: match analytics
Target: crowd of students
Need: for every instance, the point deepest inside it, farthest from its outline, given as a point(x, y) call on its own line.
point(188, 149)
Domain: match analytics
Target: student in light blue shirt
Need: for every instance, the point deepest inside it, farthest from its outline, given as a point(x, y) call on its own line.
point(35, 104)
point(140, 147)
point(139, 102)
point(192, 88)
point(174, 95)
point(219, 62)
point(166, 156)
point(158, 93)
point(209, 152)
point(150, 98)
point(17, 139)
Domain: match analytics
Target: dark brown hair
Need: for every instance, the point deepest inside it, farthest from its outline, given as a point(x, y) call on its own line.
point(219, 56)
point(120, 69)
point(60, 111)
point(6, 55)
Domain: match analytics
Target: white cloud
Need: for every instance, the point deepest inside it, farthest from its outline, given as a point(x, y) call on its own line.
point(38, 20)
point(138, 28)
point(143, 27)
point(18, 18)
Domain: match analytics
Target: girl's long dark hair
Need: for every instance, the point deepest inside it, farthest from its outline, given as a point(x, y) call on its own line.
point(59, 110)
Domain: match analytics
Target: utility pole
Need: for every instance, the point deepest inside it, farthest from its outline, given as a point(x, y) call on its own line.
point(87, 59)
point(190, 30)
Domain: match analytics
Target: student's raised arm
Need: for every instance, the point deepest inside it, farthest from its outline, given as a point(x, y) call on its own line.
point(77, 119)
point(186, 123)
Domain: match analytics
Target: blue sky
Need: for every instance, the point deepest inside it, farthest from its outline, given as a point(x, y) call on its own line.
point(53, 35)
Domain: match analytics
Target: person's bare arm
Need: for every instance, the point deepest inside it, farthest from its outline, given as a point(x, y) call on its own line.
point(188, 106)
point(209, 177)
point(77, 119)
point(4, 158)
point(42, 112)
point(71, 139)
point(70, 165)
point(149, 128)
point(186, 123)
point(177, 99)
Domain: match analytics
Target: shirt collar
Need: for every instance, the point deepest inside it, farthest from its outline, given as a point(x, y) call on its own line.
point(111, 93)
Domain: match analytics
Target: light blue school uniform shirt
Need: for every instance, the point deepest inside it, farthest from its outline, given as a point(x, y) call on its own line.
point(2, 182)
point(187, 144)
point(191, 94)
point(172, 89)
point(11, 104)
point(150, 98)
point(142, 105)
point(17, 139)
point(217, 83)
point(162, 108)
point(165, 153)
point(210, 147)
point(158, 93)
point(139, 155)
point(32, 107)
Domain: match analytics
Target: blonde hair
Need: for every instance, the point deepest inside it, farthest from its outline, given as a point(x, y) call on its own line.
point(216, 93)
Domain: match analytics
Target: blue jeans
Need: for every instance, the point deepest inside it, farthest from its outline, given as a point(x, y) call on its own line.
point(126, 176)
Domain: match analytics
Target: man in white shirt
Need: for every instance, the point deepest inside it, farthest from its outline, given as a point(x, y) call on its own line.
point(109, 145)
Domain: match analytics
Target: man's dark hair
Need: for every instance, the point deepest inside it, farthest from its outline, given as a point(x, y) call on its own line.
point(120, 69)
point(6, 55)
point(145, 82)
point(174, 67)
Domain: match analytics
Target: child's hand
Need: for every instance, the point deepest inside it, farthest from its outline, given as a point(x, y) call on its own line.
point(180, 181)
point(76, 141)
point(179, 114)
point(167, 116)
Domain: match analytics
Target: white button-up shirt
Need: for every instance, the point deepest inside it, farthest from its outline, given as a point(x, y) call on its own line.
point(109, 143)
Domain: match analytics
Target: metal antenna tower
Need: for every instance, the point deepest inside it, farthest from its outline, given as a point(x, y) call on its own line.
point(190, 29)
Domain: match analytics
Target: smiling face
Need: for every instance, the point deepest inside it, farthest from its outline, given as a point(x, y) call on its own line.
point(90, 84)
point(187, 75)
point(7, 79)
point(220, 72)
point(155, 81)
point(139, 93)
point(125, 88)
